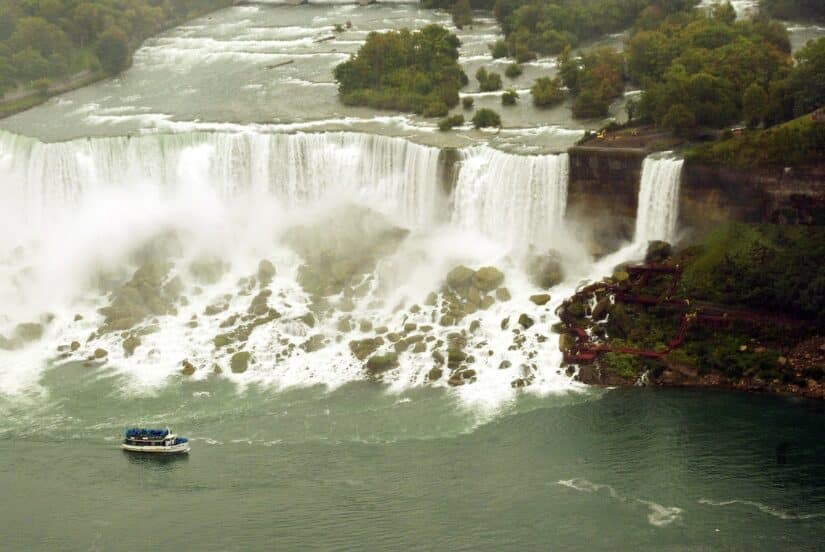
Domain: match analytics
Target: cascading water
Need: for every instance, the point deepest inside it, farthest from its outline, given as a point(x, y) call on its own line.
point(82, 210)
point(658, 208)
point(515, 199)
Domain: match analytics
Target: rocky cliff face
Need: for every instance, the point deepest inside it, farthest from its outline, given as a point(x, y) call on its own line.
point(711, 194)
point(603, 194)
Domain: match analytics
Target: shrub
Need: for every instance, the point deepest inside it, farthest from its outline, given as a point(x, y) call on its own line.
point(513, 71)
point(509, 97)
point(41, 86)
point(488, 82)
point(547, 92)
point(449, 122)
point(484, 118)
point(498, 49)
point(467, 102)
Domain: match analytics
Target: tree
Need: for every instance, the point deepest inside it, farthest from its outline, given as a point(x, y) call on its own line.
point(547, 92)
point(725, 13)
point(513, 71)
point(87, 22)
point(462, 14)
point(509, 97)
point(39, 35)
point(808, 78)
point(450, 122)
point(484, 118)
point(113, 50)
point(589, 104)
point(679, 119)
point(754, 105)
point(30, 65)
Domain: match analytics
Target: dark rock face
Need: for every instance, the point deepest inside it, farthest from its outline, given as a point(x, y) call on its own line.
point(658, 251)
point(603, 195)
point(710, 195)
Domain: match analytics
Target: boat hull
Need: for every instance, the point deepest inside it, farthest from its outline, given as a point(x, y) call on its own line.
point(182, 448)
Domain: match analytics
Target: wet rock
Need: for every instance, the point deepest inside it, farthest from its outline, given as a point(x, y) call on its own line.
point(487, 301)
point(346, 304)
point(600, 310)
point(518, 383)
point(475, 325)
point(488, 278)
point(438, 358)
point(229, 322)
point(365, 326)
point(266, 271)
point(620, 275)
point(77, 318)
point(420, 347)
point(100, 353)
point(344, 325)
point(393, 337)
point(129, 345)
point(460, 277)
point(525, 321)
point(447, 320)
point(216, 369)
point(540, 299)
point(314, 343)
point(29, 331)
point(545, 271)
point(410, 327)
point(308, 319)
point(381, 330)
point(503, 294)
point(434, 374)
point(455, 356)
point(221, 341)
point(566, 342)
point(431, 300)
point(505, 364)
point(474, 295)
point(208, 271)
point(378, 364)
point(239, 362)
point(658, 251)
point(363, 348)
point(74, 345)
point(505, 322)
point(187, 368)
point(415, 309)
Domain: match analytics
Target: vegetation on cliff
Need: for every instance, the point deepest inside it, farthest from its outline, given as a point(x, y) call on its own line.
point(594, 79)
point(797, 142)
point(53, 39)
point(743, 308)
point(404, 70)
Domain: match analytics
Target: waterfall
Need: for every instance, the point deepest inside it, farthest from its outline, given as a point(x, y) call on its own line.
point(658, 207)
point(392, 175)
point(515, 199)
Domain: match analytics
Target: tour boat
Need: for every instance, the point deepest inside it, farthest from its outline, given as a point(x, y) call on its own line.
point(154, 440)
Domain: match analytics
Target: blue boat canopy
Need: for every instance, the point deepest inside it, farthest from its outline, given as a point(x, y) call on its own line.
point(146, 433)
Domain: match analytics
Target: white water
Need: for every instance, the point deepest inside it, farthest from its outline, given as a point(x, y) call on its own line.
point(514, 199)
point(658, 209)
point(75, 213)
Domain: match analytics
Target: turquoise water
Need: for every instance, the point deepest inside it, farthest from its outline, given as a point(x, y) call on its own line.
point(362, 468)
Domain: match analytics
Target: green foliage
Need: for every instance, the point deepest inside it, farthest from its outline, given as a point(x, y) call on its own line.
point(55, 38)
point(513, 71)
point(775, 268)
point(509, 97)
point(404, 70)
point(754, 105)
point(499, 49)
point(679, 119)
point(462, 14)
point(807, 82)
point(705, 65)
point(488, 82)
point(113, 50)
point(793, 143)
point(484, 118)
point(547, 92)
point(595, 79)
point(449, 122)
point(467, 102)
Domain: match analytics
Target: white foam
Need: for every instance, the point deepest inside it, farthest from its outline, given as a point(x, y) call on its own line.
point(764, 508)
point(658, 516)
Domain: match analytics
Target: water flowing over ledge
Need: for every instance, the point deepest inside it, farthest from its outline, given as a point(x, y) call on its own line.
point(658, 208)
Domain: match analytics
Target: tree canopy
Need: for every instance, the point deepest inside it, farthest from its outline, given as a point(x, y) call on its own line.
point(404, 70)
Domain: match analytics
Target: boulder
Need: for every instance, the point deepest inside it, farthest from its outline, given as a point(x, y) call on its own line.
point(74, 345)
point(239, 362)
point(100, 353)
point(503, 294)
point(308, 319)
point(410, 327)
point(601, 308)
point(314, 343)
point(540, 299)
point(460, 277)
point(378, 364)
point(504, 365)
point(488, 278)
point(658, 251)
point(266, 271)
point(434, 374)
point(525, 321)
point(187, 368)
point(130, 344)
point(29, 331)
point(363, 348)
point(545, 271)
